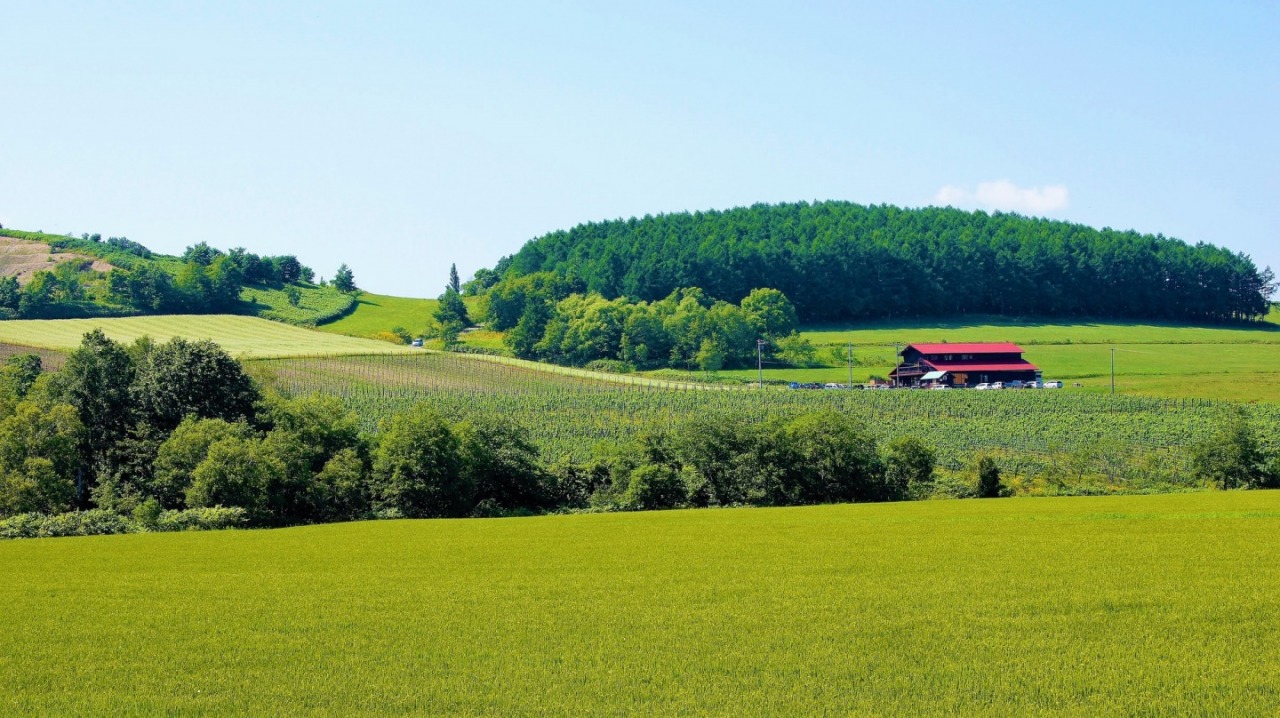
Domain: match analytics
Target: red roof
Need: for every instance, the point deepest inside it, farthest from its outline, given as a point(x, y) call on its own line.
point(1002, 348)
point(960, 366)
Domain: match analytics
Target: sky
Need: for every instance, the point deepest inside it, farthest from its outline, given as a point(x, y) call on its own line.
point(401, 138)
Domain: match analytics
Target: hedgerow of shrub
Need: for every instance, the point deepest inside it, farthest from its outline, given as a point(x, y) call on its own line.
point(100, 522)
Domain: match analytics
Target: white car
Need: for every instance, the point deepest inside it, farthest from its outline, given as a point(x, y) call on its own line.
point(997, 385)
point(1053, 385)
point(982, 387)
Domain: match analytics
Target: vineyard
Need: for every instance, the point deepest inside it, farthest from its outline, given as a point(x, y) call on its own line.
point(1126, 443)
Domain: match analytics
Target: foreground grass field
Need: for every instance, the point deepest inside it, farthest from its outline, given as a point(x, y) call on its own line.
point(1099, 606)
point(240, 336)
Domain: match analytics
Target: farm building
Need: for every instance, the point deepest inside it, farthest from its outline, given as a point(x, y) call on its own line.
point(962, 365)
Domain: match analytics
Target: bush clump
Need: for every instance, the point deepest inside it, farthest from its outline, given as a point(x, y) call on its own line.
point(203, 519)
point(94, 522)
point(101, 522)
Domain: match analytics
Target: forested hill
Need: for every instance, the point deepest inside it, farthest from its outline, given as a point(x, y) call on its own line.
point(838, 260)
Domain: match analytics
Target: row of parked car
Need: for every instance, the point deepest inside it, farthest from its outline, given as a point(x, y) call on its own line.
point(1018, 385)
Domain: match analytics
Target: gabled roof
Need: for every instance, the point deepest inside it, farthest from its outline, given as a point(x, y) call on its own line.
point(988, 365)
point(1000, 348)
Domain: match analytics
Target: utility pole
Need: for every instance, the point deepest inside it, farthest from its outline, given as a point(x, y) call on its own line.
point(1113, 371)
point(850, 365)
point(760, 361)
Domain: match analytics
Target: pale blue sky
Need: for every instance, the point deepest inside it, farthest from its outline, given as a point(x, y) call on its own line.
point(402, 137)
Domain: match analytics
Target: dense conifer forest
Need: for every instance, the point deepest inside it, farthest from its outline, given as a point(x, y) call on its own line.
point(844, 261)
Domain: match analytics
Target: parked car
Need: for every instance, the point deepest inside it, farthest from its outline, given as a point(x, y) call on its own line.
point(417, 342)
point(997, 385)
point(1015, 384)
point(983, 386)
point(1053, 385)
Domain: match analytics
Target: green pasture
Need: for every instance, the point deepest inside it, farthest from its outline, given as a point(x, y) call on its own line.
point(1232, 363)
point(1157, 605)
point(239, 335)
point(1235, 372)
point(375, 313)
point(1030, 332)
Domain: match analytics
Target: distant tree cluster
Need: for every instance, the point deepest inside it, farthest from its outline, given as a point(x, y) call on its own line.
point(208, 280)
point(203, 280)
point(547, 317)
point(120, 244)
point(843, 261)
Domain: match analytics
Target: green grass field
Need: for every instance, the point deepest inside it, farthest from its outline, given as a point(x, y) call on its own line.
point(1232, 363)
point(376, 313)
point(1031, 333)
point(381, 313)
point(1159, 605)
point(240, 336)
point(1233, 372)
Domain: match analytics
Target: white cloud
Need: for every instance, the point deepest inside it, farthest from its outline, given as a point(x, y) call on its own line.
point(1006, 196)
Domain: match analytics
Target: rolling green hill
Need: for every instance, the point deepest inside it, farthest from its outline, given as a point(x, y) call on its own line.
point(839, 261)
point(1160, 605)
point(240, 336)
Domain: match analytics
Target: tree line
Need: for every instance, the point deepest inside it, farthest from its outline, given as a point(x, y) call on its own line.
point(844, 261)
point(177, 434)
point(146, 428)
point(549, 317)
point(203, 280)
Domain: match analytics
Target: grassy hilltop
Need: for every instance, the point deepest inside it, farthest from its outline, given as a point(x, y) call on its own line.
point(1096, 606)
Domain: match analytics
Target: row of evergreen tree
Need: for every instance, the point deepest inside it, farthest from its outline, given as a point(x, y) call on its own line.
point(843, 261)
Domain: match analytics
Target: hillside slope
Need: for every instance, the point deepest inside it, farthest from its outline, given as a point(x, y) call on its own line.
point(62, 276)
point(23, 258)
